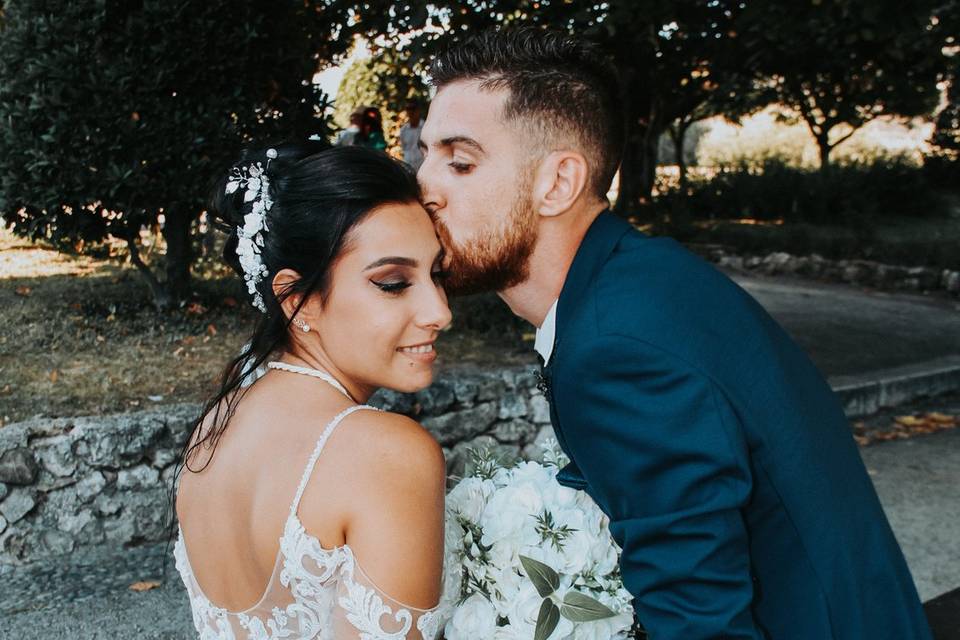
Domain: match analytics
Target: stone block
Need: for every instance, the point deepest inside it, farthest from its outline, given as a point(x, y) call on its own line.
point(74, 523)
point(539, 409)
point(457, 426)
point(128, 438)
point(3, 491)
point(18, 467)
point(90, 486)
point(3, 524)
point(436, 398)
point(514, 431)
point(57, 542)
point(107, 505)
point(390, 400)
point(139, 477)
point(489, 388)
point(164, 457)
point(57, 457)
point(464, 390)
point(120, 530)
point(512, 405)
point(17, 505)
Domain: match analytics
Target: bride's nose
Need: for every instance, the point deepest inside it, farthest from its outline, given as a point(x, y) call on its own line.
point(434, 312)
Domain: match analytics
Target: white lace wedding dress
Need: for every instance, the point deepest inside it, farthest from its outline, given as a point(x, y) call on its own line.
point(314, 593)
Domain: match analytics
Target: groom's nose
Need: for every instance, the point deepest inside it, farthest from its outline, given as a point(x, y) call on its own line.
point(430, 196)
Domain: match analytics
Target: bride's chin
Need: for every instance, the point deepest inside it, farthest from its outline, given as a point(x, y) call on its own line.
point(412, 382)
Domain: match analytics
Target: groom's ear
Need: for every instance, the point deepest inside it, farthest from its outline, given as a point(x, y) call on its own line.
point(559, 182)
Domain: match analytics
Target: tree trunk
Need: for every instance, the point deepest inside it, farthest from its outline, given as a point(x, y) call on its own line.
point(161, 297)
point(678, 134)
point(638, 171)
point(823, 144)
point(176, 234)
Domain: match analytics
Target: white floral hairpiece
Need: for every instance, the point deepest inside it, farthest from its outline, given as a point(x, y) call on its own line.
point(257, 192)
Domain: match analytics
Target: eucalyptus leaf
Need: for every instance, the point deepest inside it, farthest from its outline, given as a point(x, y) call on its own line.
point(578, 607)
point(544, 578)
point(547, 620)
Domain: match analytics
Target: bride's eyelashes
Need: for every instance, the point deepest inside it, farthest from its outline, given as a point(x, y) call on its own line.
point(391, 287)
point(398, 286)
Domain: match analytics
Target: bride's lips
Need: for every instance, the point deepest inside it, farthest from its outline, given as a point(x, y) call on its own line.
point(423, 352)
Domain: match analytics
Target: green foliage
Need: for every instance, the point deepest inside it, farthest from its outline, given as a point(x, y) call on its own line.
point(674, 57)
point(115, 113)
point(852, 194)
point(845, 61)
point(385, 80)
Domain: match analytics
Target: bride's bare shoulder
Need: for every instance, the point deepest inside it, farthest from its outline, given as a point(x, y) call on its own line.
point(380, 441)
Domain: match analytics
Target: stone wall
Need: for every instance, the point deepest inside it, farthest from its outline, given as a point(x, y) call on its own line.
point(857, 272)
point(67, 483)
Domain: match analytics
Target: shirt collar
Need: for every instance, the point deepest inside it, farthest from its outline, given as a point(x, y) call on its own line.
point(543, 344)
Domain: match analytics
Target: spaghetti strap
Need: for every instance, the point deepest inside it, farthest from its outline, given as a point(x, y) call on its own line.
point(337, 419)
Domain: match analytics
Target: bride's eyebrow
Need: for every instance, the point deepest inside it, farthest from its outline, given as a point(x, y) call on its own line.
point(397, 260)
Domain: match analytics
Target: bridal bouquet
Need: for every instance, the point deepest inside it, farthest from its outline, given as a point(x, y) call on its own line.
point(527, 558)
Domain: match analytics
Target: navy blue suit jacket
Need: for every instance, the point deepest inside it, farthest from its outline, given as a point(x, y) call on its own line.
point(720, 454)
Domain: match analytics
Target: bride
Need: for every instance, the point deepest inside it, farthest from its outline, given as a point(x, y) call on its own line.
point(305, 513)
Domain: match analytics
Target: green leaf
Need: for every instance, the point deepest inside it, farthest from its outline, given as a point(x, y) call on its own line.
point(547, 620)
point(543, 577)
point(578, 607)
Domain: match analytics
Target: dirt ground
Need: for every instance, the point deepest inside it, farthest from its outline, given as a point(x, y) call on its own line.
point(78, 336)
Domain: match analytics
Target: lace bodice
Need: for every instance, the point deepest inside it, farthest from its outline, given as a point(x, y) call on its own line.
point(314, 593)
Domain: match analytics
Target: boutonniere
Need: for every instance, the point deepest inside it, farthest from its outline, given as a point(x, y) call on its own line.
point(543, 382)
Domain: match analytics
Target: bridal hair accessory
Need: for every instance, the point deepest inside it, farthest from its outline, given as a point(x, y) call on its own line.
point(256, 187)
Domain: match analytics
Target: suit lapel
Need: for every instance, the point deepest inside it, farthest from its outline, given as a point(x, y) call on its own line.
point(596, 247)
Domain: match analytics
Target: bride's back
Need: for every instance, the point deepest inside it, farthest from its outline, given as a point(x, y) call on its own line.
point(233, 512)
point(304, 514)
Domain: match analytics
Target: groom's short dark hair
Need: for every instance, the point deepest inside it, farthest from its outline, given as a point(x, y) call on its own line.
point(562, 84)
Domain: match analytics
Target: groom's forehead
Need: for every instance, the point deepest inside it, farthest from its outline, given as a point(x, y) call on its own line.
point(463, 109)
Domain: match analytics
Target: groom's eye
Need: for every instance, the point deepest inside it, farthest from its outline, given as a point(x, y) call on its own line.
point(460, 167)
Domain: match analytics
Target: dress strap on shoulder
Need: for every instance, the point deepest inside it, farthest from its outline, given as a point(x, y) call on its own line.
point(337, 419)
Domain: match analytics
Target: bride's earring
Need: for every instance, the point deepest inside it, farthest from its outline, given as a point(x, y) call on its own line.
point(303, 325)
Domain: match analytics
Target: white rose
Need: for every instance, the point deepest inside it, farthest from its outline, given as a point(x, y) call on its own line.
point(603, 557)
point(474, 619)
point(524, 608)
point(509, 510)
point(469, 498)
point(535, 473)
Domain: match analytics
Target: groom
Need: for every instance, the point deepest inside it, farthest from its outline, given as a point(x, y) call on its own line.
point(723, 459)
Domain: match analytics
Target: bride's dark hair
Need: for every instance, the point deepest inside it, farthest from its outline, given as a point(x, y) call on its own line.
point(319, 195)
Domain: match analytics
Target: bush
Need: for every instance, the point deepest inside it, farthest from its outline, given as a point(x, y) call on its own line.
point(848, 195)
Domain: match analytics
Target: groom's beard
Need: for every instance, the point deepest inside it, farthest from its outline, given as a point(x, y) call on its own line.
point(493, 261)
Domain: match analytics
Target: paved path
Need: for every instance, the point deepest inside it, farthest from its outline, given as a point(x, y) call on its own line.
point(919, 484)
point(848, 330)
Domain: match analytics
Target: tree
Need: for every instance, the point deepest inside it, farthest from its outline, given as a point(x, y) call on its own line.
point(117, 115)
point(386, 80)
point(671, 56)
point(945, 141)
point(845, 62)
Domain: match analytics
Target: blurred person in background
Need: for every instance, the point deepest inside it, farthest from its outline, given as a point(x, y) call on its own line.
point(410, 135)
point(348, 136)
point(371, 130)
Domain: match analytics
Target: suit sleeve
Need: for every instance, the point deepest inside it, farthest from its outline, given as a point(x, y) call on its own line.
point(660, 451)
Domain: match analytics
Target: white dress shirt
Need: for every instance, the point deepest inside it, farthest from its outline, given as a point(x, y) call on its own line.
point(543, 344)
